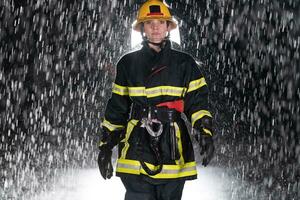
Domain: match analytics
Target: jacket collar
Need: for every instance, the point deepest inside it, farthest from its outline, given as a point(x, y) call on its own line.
point(150, 52)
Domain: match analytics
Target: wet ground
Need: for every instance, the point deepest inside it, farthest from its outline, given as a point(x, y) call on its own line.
point(212, 184)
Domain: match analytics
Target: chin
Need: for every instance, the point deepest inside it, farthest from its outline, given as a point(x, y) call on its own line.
point(157, 40)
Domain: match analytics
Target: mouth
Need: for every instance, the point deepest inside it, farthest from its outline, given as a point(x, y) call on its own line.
point(156, 34)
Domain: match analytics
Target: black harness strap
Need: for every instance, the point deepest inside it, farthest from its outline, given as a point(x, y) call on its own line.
point(162, 114)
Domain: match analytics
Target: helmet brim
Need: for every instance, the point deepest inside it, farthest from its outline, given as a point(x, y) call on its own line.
point(137, 25)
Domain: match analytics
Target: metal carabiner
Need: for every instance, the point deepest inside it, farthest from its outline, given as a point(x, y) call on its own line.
point(153, 133)
point(148, 124)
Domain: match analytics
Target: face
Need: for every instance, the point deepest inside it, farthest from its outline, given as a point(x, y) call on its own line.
point(156, 30)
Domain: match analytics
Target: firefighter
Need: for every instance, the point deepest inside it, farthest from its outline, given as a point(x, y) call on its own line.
point(153, 87)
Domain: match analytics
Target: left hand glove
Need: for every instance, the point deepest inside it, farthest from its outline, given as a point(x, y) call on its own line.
point(205, 139)
point(104, 161)
point(109, 140)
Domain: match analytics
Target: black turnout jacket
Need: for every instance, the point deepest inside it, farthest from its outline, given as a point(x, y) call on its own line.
point(148, 78)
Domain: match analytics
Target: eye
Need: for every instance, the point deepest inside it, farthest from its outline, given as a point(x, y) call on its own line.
point(147, 22)
point(162, 21)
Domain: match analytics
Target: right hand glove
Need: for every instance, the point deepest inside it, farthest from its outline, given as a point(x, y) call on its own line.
point(104, 161)
point(109, 140)
point(207, 149)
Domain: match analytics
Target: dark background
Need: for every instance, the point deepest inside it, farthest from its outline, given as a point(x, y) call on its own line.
point(57, 62)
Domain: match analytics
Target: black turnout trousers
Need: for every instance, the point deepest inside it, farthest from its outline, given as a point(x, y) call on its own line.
point(139, 188)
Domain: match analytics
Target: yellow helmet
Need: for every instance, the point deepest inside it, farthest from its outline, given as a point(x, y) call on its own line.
point(153, 9)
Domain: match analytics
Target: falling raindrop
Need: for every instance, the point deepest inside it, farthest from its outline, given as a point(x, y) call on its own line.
point(57, 63)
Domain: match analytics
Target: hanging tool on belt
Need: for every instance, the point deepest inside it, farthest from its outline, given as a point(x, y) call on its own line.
point(177, 106)
point(155, 128)
point(153, 118)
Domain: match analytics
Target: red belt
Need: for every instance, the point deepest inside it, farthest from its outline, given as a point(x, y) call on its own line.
point(177, 105)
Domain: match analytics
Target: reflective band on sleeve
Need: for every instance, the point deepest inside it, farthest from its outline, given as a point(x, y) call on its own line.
point(111, 126)
point(120, 90)
point(199, 115)
point(168, 171)
point(196, 84)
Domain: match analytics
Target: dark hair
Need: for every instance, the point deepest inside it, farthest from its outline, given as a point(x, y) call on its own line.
point(168, 23)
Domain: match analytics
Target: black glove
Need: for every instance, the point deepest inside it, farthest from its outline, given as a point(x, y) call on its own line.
point(108, 141)
point(207, 149)
point(205, 139)
point(104, 161)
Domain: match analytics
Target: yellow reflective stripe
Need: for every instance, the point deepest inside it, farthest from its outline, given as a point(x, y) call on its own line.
point(174, 171)
point(127, 171)
point(179, 143)
point(136, 91)
point(149, 92)
point(128, 166)
point(207, 132)
point(196, 84)
point(165, 90)
point(102, 143)
point(131, 124)
point(174, 174)
point(120, 90)
point(129, 162)
point(168, 171)
point(156, 91)
point(111, 126)
point(199, 115)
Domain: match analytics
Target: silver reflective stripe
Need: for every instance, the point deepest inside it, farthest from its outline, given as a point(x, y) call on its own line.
point(134, 167)
point(120, 90)
point(165, 90)
point(196, 84)
point(174, 171)
point(136, 91)
point(149, 92)
point(169, 171)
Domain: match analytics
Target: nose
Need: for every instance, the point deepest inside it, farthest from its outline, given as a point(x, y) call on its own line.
point(155, 25)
